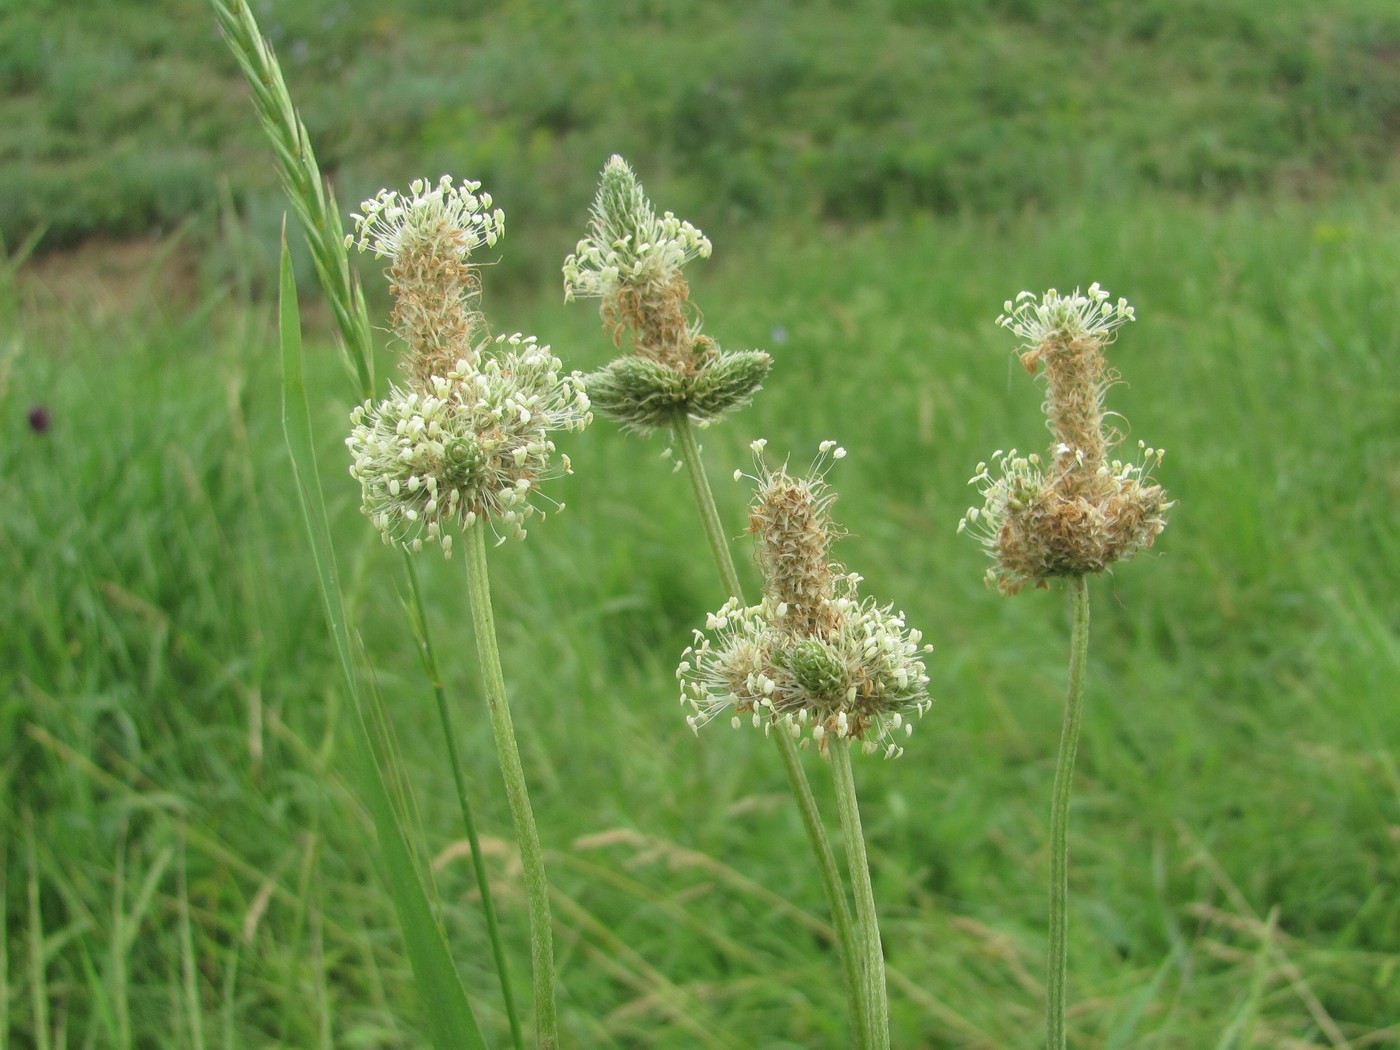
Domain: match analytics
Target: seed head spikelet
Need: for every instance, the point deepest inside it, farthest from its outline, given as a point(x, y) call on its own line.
point(812, 658)
point(1084, 511)
point(791, 520)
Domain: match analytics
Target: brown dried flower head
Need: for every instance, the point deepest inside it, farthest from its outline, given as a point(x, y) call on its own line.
point(1084, 511)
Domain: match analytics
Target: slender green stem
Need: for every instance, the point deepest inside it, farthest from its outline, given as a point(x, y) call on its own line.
point(483, 884)
point(684, 433)
point(872, 961)
point(38, 965)
point(1058, 964)
point(528, 839)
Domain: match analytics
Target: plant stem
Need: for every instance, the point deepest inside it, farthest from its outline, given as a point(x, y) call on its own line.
point(872, 958)
point(528, 839)
point(684, 433)
point(483, 884)
point(1058, 963)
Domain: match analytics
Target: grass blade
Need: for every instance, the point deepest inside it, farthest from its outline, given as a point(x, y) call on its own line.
point(448, 1014)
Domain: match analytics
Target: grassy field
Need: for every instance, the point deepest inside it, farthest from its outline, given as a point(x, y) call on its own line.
point(183, 865)
point(119, 116)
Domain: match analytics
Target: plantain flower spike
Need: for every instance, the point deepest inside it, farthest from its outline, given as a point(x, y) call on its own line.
point(812, 658)
point(429, 237)
point(633, 262)
point(468, 437)
point(1078, 511)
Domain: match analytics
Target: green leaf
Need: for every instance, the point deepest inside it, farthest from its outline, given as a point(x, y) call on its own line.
point(450, 1021)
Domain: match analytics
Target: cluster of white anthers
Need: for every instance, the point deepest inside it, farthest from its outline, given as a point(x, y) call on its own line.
point(811, 658)
point(1037, 319)
point(864, 679)
point(627, 244)
point(475, 446)
point(1018, 481)
point(393, 225)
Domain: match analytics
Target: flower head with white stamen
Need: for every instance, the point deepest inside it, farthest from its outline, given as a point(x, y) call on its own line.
point(633, 261)
point(476, 445)
point(812, 658)
point(1082, 511)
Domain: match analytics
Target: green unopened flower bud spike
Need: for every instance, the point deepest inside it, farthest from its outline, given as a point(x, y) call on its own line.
point(1077, 516)
point(632, 261)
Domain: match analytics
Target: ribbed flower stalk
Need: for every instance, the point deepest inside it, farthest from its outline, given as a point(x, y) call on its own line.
point(872, 952)
point(1057, 962)
point(517, 794)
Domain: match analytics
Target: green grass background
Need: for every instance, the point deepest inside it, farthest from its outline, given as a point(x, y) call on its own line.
point(182, 863)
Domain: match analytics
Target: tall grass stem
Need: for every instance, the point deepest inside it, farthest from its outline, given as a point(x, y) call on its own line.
point(1058, 962)
point(38, 976)
point(872, 952)
point(513, 773)
point(189, 978)
point(483, 883)
point(5, 931)
point(683, 431)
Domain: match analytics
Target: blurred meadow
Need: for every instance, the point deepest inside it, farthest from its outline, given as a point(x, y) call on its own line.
point(181, 860)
